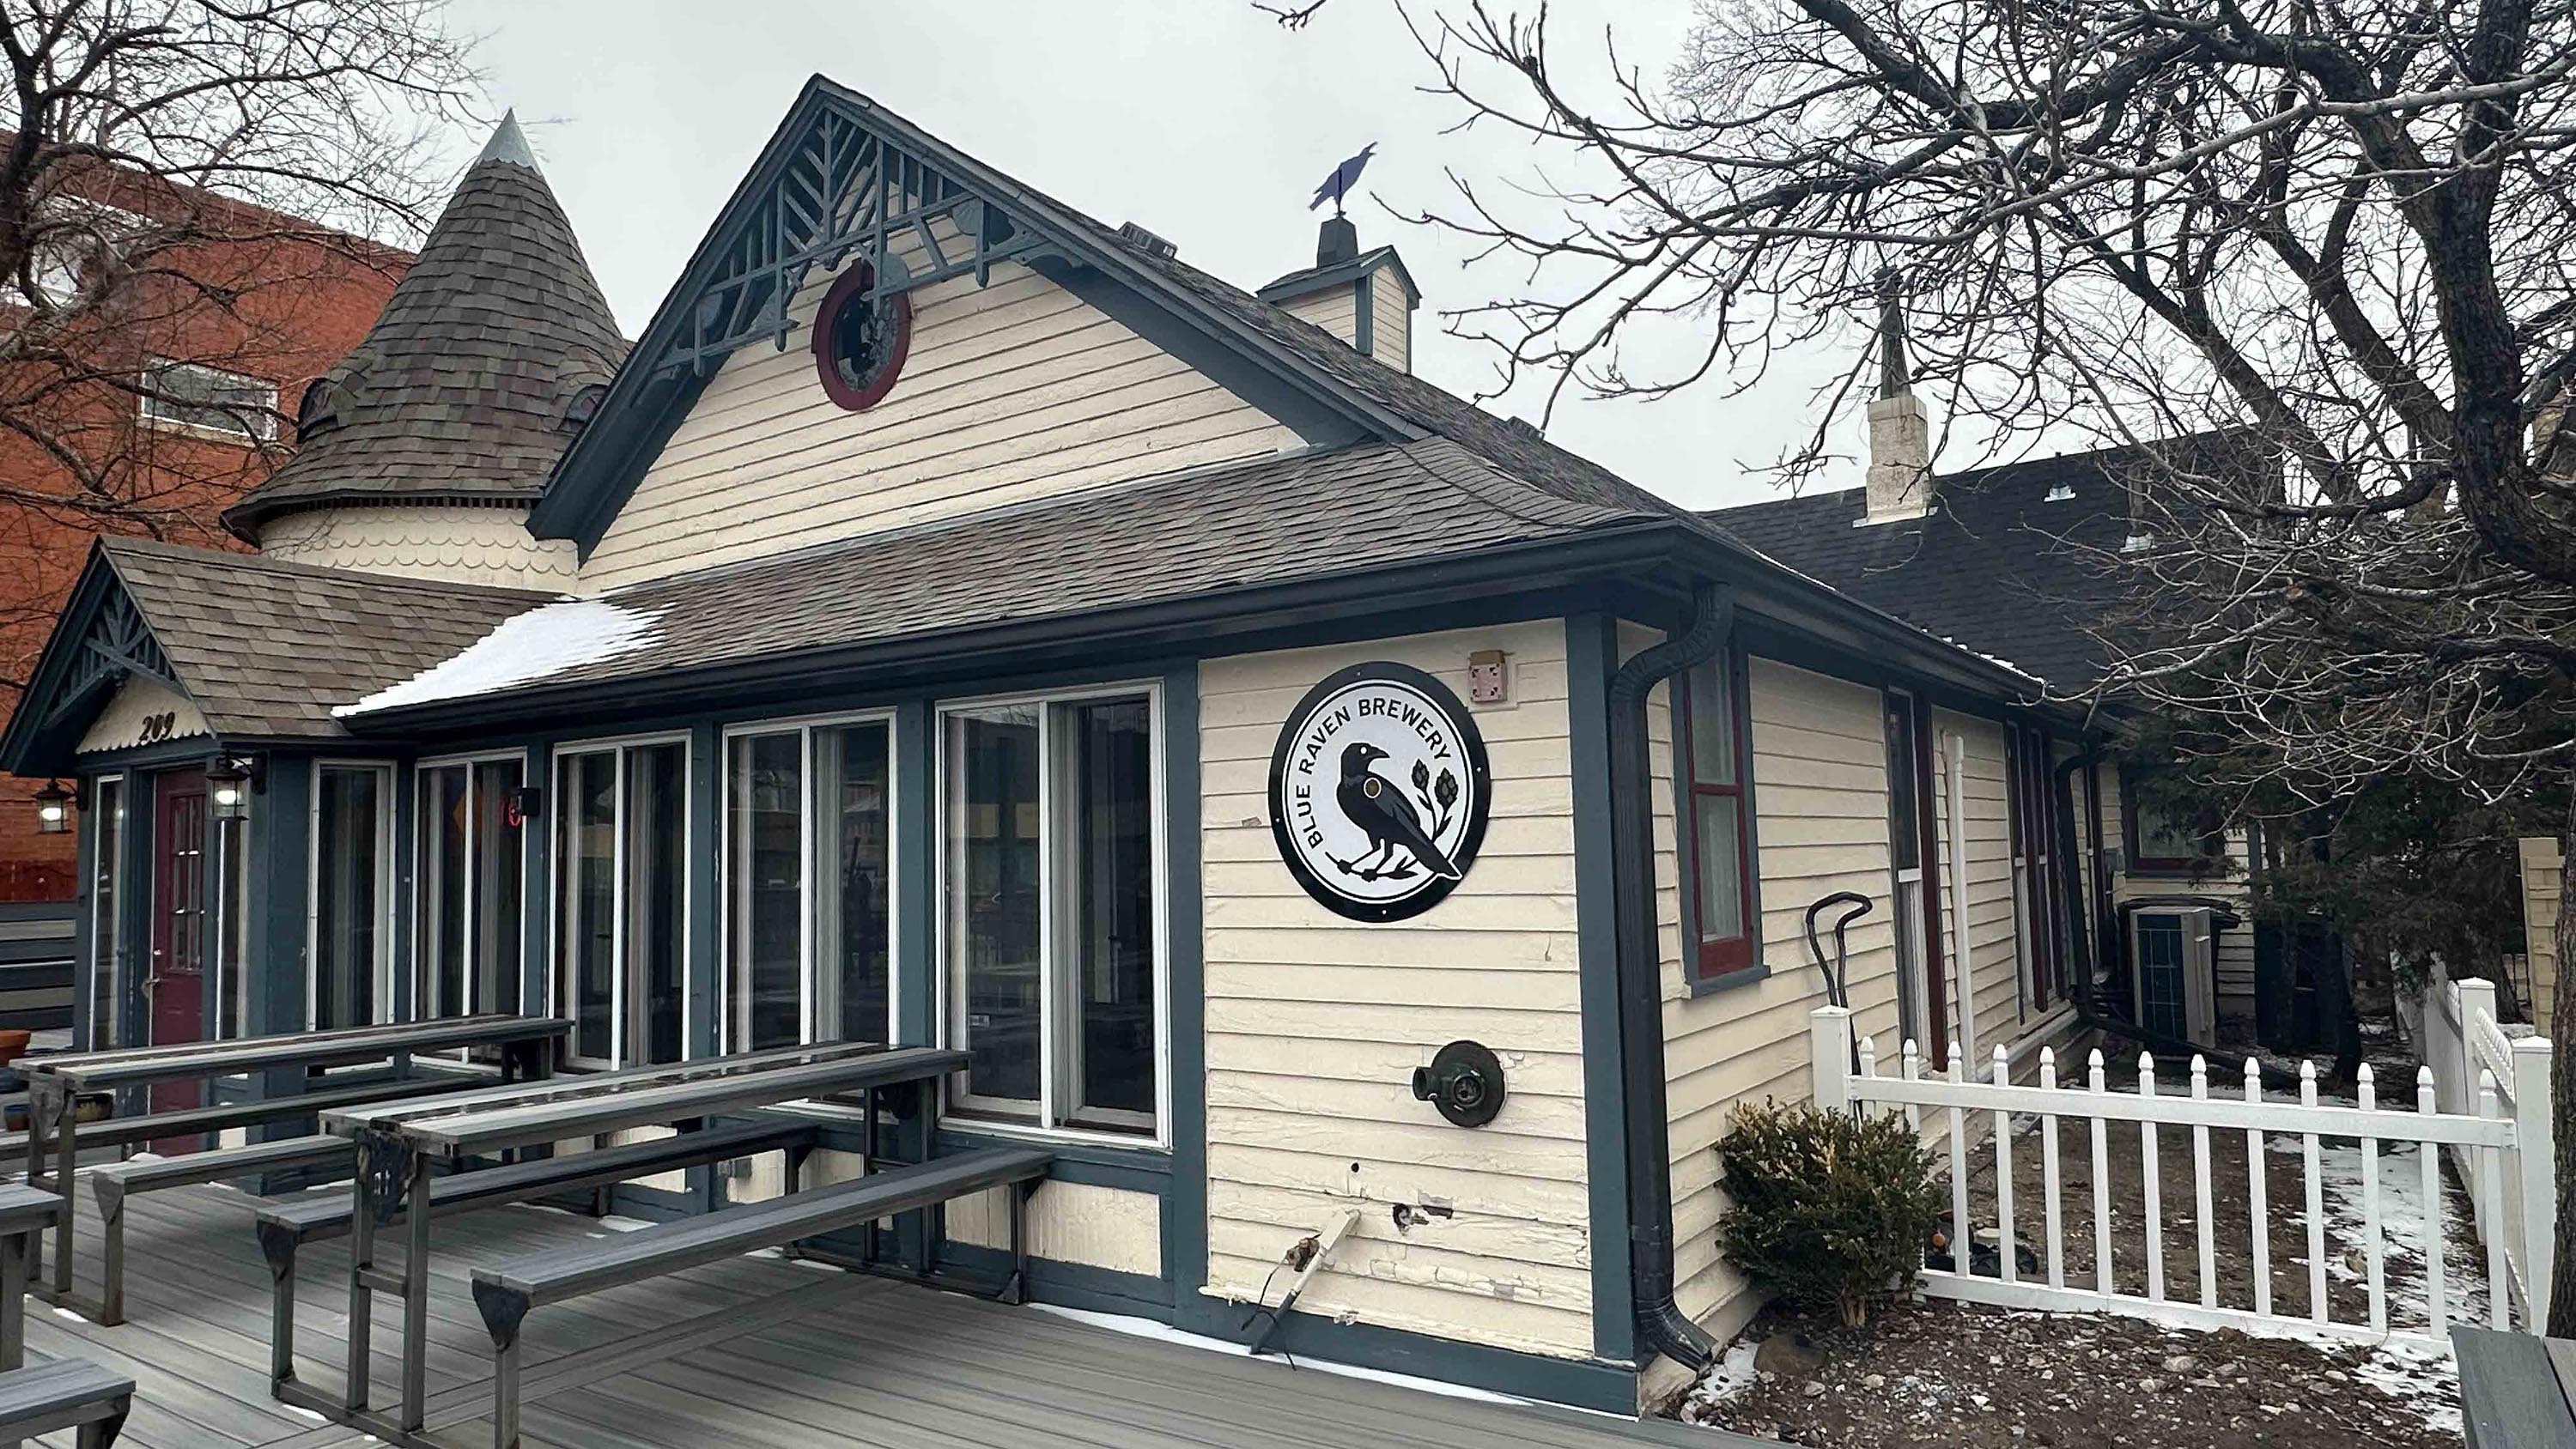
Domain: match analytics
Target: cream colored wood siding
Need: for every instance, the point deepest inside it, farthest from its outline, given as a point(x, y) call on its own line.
point(1991, 929)
point(456, 544)
point(1820, 822)
point(1315, 1024)
point(1068, 1222)
point(1011, 391)
point(119, 723)
point(2540, 878)
point(1390, 324)
point(1335, 308)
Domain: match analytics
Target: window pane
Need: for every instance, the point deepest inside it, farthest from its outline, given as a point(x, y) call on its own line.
point(441, 938)
point(500, 847)
point(993, 901)
point(1721, 868)
point(765, 793)
point(106, 969)
point(1108, 873)
point(853, 897)
point(1904, 822)
point(587, 856)
point(348, 894)
point(232, 1005)
point(656, 830)
point(1712, 723)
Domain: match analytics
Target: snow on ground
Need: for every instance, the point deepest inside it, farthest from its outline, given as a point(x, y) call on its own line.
point(531, 646)
point(2422, 1376)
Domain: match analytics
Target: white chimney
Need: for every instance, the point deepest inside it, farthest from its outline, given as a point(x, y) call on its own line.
point(1364, 298)
point(1900, 441)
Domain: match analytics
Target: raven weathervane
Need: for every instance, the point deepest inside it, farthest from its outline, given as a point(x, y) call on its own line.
point(1344, 177)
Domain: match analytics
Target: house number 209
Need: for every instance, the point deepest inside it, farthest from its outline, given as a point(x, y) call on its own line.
point(158, 727)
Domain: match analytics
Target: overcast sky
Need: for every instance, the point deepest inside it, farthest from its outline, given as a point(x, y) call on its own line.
point(1200, 119)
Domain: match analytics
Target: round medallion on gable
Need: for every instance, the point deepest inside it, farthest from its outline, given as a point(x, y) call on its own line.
point(860, 339)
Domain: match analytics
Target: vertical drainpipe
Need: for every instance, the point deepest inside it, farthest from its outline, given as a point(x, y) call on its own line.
point(1954, 755)
point(1661, 1325)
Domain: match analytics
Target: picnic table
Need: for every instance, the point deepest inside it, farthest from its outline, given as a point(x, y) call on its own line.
point(2515, 1389)
point(54, 1083)
point(399, 1142)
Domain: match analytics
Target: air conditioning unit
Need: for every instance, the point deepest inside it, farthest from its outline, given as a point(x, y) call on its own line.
point(2174, 986)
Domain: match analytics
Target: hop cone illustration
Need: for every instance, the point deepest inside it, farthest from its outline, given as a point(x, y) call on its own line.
point(1421, 775)
point(1447, 791)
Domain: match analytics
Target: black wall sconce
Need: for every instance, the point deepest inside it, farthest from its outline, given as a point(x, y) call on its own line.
point(53, 809)
point(230, 782)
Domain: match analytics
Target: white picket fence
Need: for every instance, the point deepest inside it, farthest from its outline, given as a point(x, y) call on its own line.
point(2462, 1043)
point(1956, 1099)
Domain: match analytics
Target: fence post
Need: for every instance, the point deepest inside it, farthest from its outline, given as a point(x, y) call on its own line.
point(2477, 1002)
point(2537, 1148)
point(1829, 1047)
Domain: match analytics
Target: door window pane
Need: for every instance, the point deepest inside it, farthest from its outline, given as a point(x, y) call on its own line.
point(586, 852)
point(499, 937)
point(107, 969)
point(443, 888)
point(765, 829)
point(350, 892)
point(656, 903)
point(853, 897)
point(994, 901)
point(468, 941)
point(1109, 971)
point(232, 925)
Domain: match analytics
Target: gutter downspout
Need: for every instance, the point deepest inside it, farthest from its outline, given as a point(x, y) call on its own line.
point(1662, 1327)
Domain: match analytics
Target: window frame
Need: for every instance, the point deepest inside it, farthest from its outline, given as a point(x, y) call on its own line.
point(262, 421)
point(1050, 1113)
point(109, 862)
point(1735, 959)
point(233, 851)
point(420, 817)
point(558, 1000)
point(387, 848)
point(2209, 861)
point(810, 845)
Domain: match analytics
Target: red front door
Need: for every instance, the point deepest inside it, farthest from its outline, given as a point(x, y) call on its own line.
point(174, 988)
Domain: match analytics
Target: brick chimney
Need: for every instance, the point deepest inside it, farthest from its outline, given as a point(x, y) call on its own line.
point(1900, 481)
point(1366, 298)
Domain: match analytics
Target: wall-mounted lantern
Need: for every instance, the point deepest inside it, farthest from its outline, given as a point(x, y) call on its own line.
point(230, 782)
point(53, 809)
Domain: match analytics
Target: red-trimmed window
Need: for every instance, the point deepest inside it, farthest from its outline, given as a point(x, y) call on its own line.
point(1717, 843)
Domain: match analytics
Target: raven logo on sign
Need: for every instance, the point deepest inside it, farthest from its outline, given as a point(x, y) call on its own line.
point(1379, 792)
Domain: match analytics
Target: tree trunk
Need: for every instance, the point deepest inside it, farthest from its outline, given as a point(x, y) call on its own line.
point(2562, 1094)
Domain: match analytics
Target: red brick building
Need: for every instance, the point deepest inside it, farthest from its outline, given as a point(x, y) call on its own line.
point(231, 323)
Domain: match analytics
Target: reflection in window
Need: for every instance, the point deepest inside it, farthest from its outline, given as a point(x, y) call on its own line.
point(765, 869)
point(469, 940)
point(854, 886)
point(352, 887)
point(107, 875)
point(622, 899)
point(1052, 911)
point(232, 928)
point(809, 887)
point(586, 856)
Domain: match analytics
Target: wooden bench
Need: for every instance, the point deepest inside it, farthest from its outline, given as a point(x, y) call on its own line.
point(111, 1183)
point(505, 1293)
point(288, 1226)
point(64, 1394)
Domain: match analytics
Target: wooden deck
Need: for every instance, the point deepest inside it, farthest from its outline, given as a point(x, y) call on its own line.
point(756, 1352)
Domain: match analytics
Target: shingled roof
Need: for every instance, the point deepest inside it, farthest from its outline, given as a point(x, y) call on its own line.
point(266, 648)
point(461, 389)
point(2021, 561)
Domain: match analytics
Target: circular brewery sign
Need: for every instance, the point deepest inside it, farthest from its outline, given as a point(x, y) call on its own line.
point(1379, 792)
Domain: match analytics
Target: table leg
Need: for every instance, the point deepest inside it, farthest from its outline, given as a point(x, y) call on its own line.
point(39, 1096)
point(362, 1252)
point(13, 1297)
point(415, 1353)
point(66, 1150)
point(934, 1220)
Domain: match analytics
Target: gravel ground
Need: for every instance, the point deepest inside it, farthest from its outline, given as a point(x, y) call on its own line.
point(1943, 1375)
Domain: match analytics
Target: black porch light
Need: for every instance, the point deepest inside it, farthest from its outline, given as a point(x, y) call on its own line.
point(229, 783)
point(53, 809)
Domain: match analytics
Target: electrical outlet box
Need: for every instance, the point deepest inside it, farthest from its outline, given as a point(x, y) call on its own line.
point(1489, 678)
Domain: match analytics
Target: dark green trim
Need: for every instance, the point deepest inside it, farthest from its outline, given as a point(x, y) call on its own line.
point(702, 962)
point(84, 923)
point(536, 883)
point(1263, 387)
point(975, 1268)
point(1591, 656)
point(1185, 1223)
point(916, 853)
point(1363, 266)
point(1129, 1169)
point(1609, 1388)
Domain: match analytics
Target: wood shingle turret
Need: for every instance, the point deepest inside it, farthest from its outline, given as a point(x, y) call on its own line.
point(470, 383)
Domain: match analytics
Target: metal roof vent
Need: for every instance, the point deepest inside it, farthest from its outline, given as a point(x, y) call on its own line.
point(1525, 428)
point(2062, 493)
point(1147, 242)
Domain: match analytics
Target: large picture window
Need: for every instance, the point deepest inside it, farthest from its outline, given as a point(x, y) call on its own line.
point(1717, 821)
point(469, 932)
point(1051, 910)
point(2163, 831)
point(809, 885)
point(621, 898)
point(353, 859)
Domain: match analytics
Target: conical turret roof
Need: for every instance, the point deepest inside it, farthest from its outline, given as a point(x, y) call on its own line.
point(465, 386)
